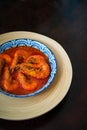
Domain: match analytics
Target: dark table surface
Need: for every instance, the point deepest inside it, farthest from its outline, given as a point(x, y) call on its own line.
point(66, 22)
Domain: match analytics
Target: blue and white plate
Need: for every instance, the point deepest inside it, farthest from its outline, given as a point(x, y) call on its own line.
point(42, 47)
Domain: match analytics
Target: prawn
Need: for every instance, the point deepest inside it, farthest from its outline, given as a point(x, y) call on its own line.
point(36, 67)
point(9, 83)
point(5, 57)
point(35, 60)
point(26, 82)
point(1, 65)
point(19, 57)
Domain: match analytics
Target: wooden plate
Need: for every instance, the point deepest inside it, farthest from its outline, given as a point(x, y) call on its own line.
point(27, 108)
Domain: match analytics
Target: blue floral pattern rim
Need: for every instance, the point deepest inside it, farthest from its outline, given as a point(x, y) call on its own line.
point(42, 47)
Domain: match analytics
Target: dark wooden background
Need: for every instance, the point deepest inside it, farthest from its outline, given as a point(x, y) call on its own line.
point(66, 22)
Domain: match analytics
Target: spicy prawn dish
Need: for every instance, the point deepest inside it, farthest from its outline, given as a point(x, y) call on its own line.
point(24, 70)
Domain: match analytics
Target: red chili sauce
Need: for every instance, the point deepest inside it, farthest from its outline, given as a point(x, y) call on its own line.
point(23, 70)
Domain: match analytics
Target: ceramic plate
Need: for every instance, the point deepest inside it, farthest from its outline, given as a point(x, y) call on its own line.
point(26, 108)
